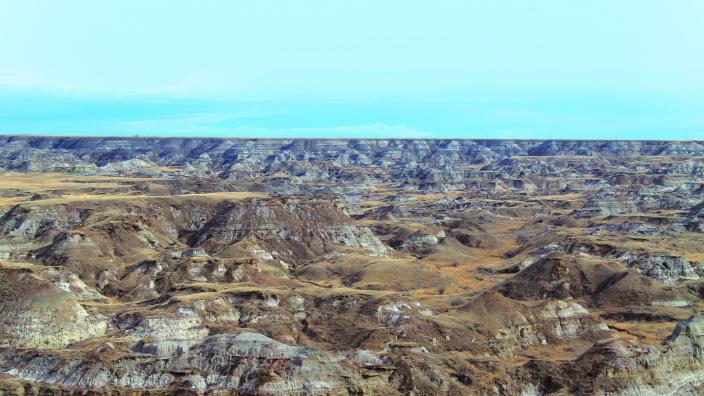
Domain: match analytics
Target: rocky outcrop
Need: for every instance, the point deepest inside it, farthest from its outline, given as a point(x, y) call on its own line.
point(555, 276)
point(514, 326)
point(296, 229)
point(128, 154)
point(247, 363)
point(695, 218)
point(688, 337)
point(623, 367)
point(664, 268)
point(604, 205)
point(168, 336)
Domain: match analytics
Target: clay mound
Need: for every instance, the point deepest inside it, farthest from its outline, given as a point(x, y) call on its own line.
point(607, 206)
point(632, 288)
point(38, 314)
point(299, 230)
point(510, 325)
point(372, 273)
point(475, 239)
point(79, 253)
point(559, 277)
point(577, 376)
point(370, 320)
point(102, 247)
point(17, 285)
point(494, 310)
point(395, 234)
point(606, 367)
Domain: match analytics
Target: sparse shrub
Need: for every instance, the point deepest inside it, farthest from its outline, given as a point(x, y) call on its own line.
point(522, 239)
point(457, 301)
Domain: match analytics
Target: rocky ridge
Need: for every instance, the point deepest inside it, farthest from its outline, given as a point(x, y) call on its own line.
point(218, 266)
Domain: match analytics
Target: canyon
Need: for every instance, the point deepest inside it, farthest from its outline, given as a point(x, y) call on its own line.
point(155, 266)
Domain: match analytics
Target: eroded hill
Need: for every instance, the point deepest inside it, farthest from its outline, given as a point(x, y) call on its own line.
point(219, 266)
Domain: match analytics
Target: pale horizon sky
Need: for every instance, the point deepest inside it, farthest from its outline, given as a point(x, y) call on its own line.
point(627, 69)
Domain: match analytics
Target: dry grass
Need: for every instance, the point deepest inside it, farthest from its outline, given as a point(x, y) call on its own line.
point(461, 268)
point(373, 203)
point(557, 157)
point(650, 332)
point(430, 197)
point(566, 351)
point(61, 188)
point(72, 198)
point(217, 290)
point(22, 265)
point(39, 182)
point(559, 197)
point(684, 244)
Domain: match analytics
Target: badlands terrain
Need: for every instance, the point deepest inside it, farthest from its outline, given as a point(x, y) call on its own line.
point(148, 266)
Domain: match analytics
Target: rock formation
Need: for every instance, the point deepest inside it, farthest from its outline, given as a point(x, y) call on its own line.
point(396, 267)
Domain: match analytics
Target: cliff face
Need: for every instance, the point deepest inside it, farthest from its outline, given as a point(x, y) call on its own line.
point(111, 155)
point(424, 267)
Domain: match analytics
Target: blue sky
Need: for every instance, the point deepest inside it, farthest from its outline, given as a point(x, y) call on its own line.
point(627, 69)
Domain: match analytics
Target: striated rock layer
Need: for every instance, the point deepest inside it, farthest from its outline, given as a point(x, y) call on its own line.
point(160, 266)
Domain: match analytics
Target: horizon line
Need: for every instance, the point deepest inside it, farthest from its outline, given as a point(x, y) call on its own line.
point(136, 136)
